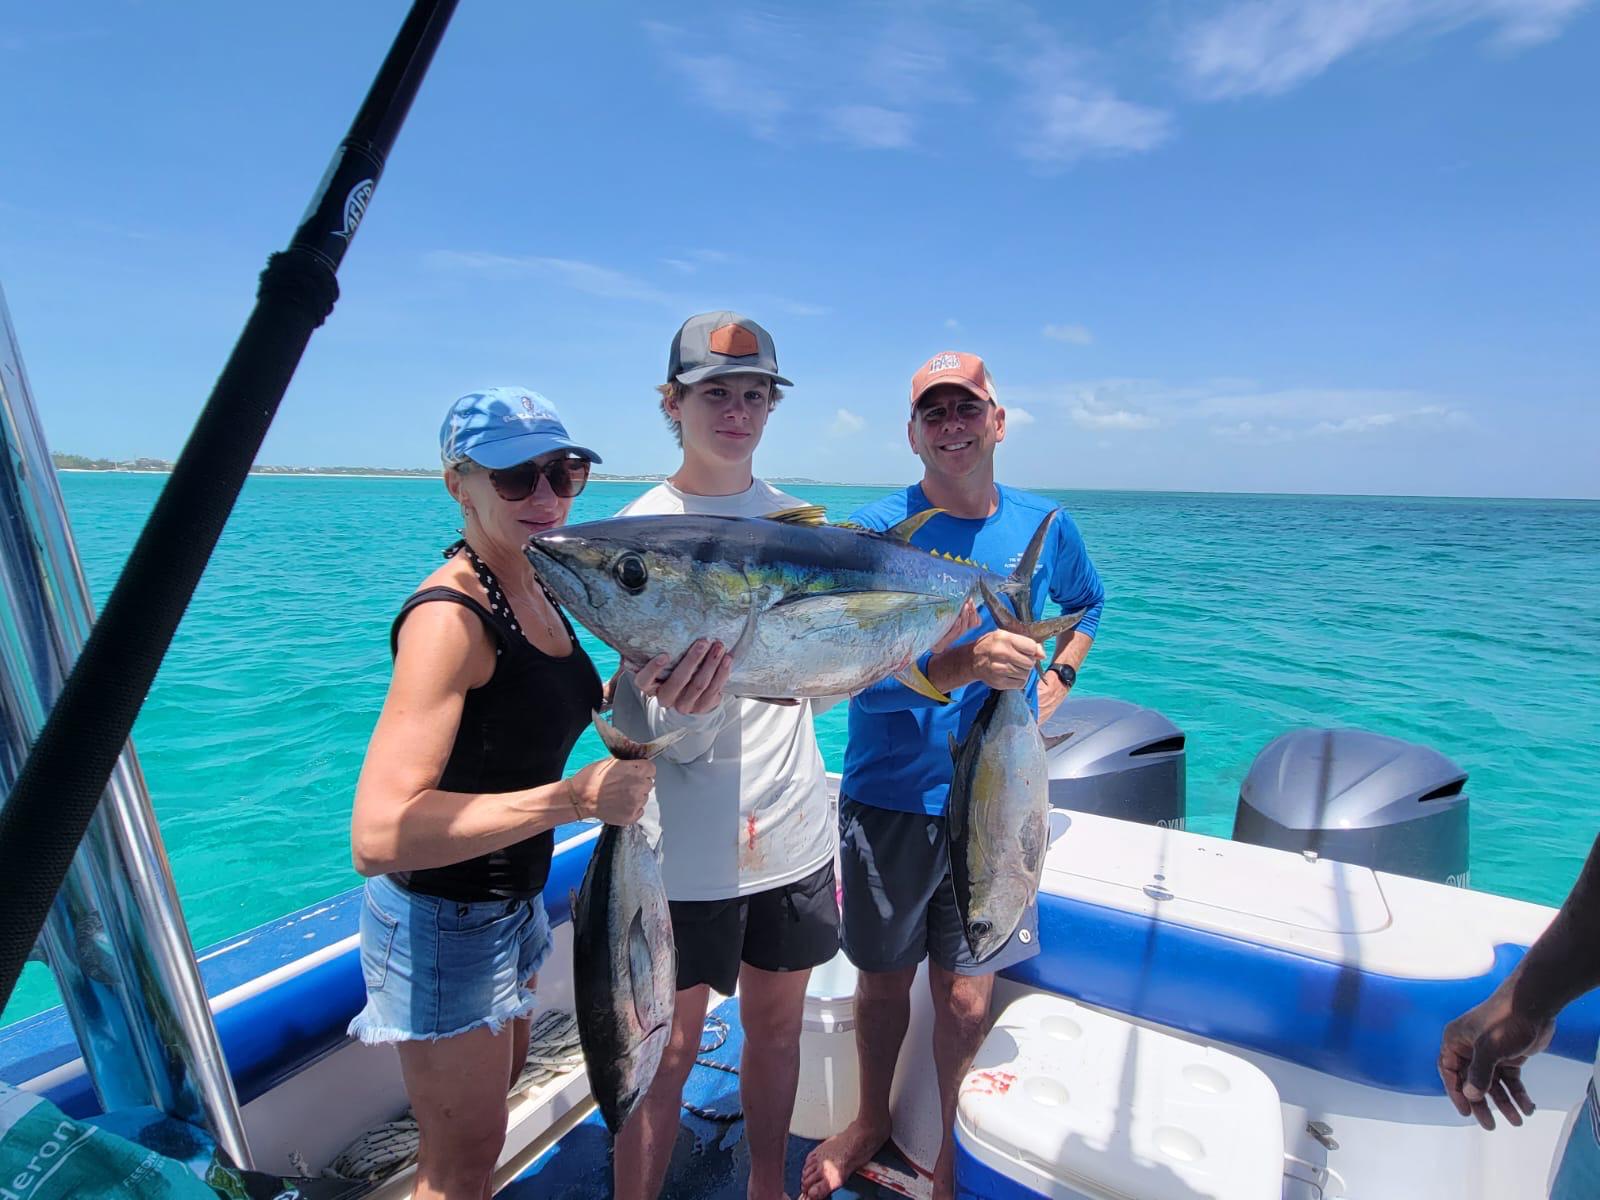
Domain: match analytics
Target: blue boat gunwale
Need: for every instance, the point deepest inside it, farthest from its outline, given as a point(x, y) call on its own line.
point(1374, 1029)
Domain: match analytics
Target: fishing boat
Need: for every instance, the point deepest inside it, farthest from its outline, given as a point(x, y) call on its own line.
point(1246, 1017)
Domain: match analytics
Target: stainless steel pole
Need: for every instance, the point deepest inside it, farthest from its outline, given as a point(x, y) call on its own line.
point(115, 939)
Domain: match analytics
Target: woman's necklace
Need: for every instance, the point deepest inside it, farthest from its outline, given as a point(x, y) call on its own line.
point(500, 603)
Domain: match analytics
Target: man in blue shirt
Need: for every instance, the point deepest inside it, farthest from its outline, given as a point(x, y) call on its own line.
point(899, 902)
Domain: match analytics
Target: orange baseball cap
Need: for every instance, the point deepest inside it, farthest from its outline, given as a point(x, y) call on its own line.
point(951, 366)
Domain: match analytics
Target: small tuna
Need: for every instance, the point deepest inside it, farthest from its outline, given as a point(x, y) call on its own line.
point(804, 608)
point(624, 964)
point(998, 813)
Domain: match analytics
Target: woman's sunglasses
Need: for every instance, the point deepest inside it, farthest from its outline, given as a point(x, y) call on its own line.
point(566, 475)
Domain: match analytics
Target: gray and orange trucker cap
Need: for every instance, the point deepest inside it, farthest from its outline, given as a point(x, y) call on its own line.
point(722, 343)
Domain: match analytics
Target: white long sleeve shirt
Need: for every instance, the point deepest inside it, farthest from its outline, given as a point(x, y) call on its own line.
point(741, 802)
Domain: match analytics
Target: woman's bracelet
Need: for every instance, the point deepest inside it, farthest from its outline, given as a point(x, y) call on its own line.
point(572, 794)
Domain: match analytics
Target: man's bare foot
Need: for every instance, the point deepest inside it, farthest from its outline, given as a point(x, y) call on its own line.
point(838, 1158)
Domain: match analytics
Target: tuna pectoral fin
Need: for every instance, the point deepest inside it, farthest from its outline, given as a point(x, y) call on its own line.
point(641, 974)
point(804, 514)
point(805, 615)
point(1039, 631)
point(911, 675)
point(624, 747)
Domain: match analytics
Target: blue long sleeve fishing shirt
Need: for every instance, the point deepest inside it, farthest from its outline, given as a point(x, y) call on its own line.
point(898, 755)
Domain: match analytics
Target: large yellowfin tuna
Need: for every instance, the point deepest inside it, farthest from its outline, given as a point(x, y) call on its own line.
point(998, 812)
point(624, 963)
point(804, 608)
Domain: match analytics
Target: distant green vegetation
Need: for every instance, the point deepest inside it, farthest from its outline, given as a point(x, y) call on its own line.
point(77, 462)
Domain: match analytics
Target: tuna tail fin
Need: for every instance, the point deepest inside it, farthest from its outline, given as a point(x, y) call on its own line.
point(1020, 585)
point(1039, 631)
point(624, 747)
point(911, 675)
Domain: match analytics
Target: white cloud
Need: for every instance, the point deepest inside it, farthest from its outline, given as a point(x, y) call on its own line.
point(591, 278)
point(1239, 411)
point(846, 422)
point(951, 323)
point(1072, 123)
point(871, 126)
point(797, 308)
point(1018, 416)
point(1077, 335)
point(1430, 415)
point(878, 79)
point(1091, 415)
point(1264, 47)
point(692, 261)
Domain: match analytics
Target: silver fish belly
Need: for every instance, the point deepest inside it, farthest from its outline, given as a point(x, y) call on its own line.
point(624, 971)
point(998, 820)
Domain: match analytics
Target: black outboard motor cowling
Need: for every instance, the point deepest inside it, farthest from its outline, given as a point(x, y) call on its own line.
point(1359, 797)
point(1121, 761)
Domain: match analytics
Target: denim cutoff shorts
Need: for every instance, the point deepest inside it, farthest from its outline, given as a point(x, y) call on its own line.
point(435, 968)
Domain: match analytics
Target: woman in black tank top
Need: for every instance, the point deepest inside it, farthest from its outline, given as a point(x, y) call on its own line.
point(462, 788)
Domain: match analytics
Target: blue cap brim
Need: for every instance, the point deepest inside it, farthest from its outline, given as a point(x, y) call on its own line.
point(508, 452)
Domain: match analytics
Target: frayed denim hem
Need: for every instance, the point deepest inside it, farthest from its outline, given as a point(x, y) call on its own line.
point(366, 1029)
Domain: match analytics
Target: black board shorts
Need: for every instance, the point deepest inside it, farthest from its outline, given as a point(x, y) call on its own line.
point(792, 927)
point(899, 898)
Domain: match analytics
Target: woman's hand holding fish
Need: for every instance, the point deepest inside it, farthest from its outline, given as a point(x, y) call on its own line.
point(694, 685)
point(1005, 660)
point(613, 790)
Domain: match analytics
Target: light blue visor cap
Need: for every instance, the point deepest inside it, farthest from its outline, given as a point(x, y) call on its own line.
point(503, 426)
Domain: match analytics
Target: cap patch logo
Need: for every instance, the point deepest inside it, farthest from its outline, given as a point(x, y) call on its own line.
point(943, 362)
point(735, 341)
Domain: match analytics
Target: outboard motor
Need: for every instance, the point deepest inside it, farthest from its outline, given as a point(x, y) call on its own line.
point(1121, 761)
point(1359, 797)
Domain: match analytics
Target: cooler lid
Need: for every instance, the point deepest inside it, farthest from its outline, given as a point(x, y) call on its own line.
point(1070, 1102)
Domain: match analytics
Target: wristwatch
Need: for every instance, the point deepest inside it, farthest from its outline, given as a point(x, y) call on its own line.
point(1066, 672)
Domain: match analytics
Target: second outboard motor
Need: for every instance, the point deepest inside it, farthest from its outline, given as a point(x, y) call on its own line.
point(1121, 761)
point(1359, 797)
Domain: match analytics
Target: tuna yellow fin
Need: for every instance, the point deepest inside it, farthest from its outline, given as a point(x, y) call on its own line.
point(807, 615)
point(805, 514)
point(914, 679)
point(903, 531)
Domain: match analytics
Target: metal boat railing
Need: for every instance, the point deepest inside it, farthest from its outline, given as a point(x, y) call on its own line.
point(115, 939)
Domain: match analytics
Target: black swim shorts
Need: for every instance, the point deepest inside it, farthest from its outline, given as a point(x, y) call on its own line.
point(792, 927)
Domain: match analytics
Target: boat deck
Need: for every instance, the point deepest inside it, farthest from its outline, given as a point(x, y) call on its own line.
point(710, 1160)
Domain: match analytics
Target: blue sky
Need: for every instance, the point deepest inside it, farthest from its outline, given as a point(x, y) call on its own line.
point(1256, 245)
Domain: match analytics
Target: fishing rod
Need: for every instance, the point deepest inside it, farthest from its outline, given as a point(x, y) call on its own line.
point(67, 769)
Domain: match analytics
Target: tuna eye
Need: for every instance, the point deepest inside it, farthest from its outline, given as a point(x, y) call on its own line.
point(629, 571)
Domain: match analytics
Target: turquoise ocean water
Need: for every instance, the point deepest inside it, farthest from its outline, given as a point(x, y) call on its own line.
point(1470, 625)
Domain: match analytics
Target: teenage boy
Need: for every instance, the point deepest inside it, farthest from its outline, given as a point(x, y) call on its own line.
point(746, 836)
point(899, 904)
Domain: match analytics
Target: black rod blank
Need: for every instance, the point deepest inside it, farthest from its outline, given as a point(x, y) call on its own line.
point(59, 786)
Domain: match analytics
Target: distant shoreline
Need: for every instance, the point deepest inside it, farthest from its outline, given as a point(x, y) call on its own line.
point(784, 481)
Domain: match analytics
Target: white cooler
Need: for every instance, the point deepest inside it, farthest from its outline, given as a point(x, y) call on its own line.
point(1073, 1104)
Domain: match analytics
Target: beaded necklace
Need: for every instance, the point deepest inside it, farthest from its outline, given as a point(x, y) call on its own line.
point(499, 605)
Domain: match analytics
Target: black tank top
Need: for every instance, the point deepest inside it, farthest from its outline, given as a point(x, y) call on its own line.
point(516, 732)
